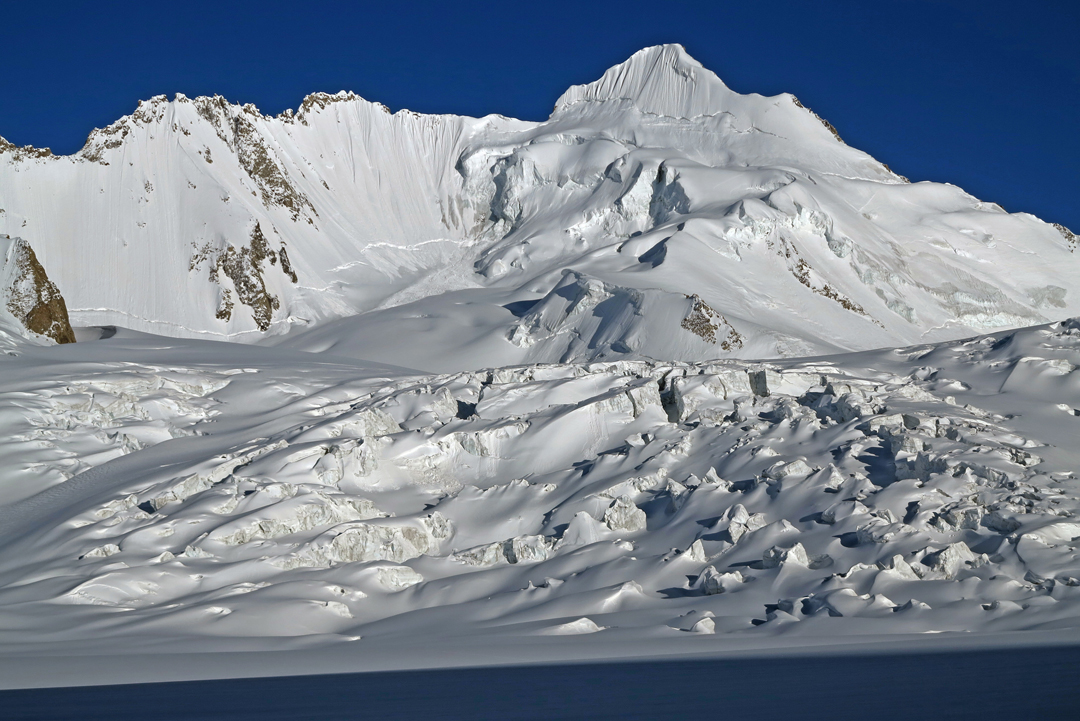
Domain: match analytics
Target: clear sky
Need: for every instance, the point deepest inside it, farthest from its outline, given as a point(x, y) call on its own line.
point(985, 95)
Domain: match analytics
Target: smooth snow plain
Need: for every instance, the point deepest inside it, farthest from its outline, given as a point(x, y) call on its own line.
point(675, 373)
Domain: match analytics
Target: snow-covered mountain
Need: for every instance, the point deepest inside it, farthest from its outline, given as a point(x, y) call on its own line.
point(655, 215)
point(511, 391)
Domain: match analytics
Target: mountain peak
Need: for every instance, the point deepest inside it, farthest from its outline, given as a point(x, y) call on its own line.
point(662, 80)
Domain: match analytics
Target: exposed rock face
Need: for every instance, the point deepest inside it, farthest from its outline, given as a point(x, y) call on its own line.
point(29, 295)
point(23, 152)
point(704, 322)
point(1068, 235)
point(244, 268)
point(257, 158)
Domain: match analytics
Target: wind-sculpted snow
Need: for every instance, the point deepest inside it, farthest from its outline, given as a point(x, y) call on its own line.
point(654, 184)
point(179, 496)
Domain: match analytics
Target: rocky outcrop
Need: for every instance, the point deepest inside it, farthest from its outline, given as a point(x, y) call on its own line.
point(243, 267)
point(29, 295)
point(23, 152)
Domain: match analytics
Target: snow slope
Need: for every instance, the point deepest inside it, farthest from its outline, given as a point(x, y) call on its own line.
point(652, 202)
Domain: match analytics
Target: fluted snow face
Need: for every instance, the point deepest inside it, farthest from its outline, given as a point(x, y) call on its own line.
point(133, 226)
point(656, 183)
point(662, 80)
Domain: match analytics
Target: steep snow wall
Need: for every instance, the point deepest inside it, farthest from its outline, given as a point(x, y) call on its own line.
point(158, 201)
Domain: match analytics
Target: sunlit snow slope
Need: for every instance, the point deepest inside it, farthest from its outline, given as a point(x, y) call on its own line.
point(655, 215)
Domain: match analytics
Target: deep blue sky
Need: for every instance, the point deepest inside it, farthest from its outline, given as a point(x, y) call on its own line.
point(985, 95)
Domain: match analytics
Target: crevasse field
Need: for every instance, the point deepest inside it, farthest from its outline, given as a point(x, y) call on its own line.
point(674, 373)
